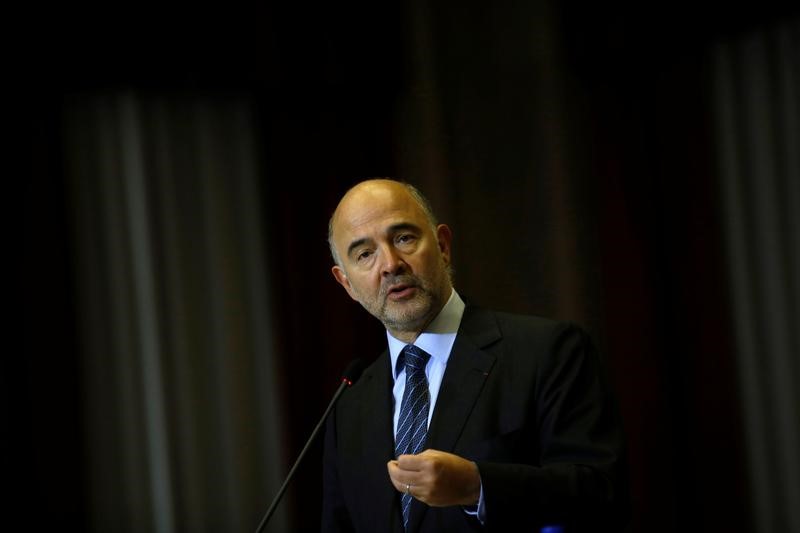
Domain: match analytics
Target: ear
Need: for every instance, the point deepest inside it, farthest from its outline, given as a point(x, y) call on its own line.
point(341, 278)
point(444, 236)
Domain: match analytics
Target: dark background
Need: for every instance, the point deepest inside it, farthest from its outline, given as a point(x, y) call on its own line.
point(330, 83)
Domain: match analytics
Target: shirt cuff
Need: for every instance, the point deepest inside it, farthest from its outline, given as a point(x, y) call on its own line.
point(478, 511)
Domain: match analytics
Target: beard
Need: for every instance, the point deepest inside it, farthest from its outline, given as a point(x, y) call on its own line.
point(406, 315)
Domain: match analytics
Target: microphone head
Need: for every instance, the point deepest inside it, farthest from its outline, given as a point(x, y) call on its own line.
point(353, 371)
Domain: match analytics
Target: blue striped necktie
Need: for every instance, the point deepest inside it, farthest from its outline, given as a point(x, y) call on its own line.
point(412, 424)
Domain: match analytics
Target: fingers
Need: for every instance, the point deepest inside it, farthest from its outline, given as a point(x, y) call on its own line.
point(414, 462)
point(436, 478)
point(403, 480)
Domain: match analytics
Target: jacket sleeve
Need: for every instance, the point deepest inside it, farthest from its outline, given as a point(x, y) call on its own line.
point(576, 474)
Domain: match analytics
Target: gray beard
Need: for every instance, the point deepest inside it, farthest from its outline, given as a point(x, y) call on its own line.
point(409, 321)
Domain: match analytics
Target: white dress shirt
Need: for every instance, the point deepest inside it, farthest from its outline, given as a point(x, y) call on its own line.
point(437, 340)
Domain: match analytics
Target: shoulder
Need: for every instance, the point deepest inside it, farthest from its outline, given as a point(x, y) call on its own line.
point(515, 327)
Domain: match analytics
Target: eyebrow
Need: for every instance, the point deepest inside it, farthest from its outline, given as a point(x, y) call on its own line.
point(355, 244)
point(394, 228)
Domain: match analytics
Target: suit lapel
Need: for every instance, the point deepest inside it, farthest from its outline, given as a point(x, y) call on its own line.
point(466, 372)
point(378, 440)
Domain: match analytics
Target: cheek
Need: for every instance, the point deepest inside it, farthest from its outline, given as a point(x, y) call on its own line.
point(363, 285)
point(434, 264)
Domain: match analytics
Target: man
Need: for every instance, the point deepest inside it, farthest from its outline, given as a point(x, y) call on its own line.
point(472, 420)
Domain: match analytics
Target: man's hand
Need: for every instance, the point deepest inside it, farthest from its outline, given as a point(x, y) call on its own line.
point(436, 478)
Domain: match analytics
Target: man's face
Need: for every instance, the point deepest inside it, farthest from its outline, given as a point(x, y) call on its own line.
point(392, 261)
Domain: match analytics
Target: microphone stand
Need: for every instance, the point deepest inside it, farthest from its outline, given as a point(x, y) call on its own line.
point(352, 371)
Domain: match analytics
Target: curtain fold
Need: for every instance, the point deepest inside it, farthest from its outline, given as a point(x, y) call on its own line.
point(757, 90)
point(183, 417)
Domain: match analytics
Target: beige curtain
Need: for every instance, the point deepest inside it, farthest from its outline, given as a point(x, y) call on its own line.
point(757, 93)
point(183, 422)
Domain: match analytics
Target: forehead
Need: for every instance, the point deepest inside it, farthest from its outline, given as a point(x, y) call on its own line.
point(373, 207)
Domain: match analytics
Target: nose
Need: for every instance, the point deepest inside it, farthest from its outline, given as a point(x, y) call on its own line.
point(393, 262)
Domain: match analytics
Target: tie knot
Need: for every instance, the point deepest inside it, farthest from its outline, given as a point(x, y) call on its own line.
point(415, 358)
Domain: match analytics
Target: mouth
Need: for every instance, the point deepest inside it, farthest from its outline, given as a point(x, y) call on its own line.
point(400, 291)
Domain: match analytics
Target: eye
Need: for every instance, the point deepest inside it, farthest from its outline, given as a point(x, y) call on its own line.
point(363, 255)
point(405, 238)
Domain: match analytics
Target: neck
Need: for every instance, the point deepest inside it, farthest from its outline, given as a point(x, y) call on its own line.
point(407, 337)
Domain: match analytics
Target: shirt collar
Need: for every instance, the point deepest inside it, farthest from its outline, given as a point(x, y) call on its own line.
point(438, 337)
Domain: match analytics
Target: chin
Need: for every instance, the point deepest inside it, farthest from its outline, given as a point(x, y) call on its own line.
point(408, 322)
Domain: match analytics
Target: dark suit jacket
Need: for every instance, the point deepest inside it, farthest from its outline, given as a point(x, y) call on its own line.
point(526, 399)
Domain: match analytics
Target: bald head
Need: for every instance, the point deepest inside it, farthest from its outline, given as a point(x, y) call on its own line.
point(366, 191)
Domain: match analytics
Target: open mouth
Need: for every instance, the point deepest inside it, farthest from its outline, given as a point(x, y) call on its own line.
point(399, 292)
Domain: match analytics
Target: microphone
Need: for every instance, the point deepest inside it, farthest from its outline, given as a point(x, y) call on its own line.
point(349, 376)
